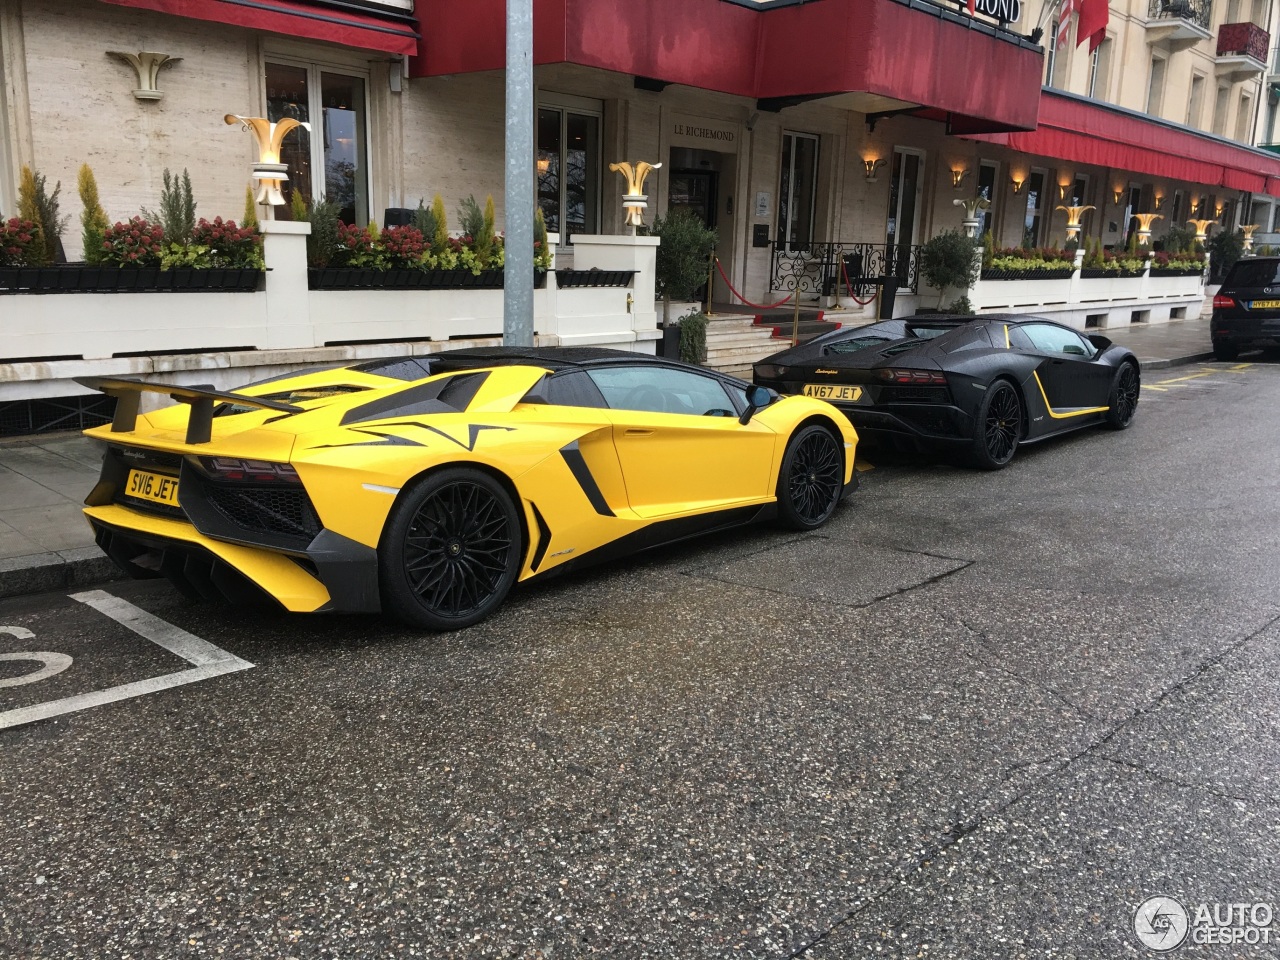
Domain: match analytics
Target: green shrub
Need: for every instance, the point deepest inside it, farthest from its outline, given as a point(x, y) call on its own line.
point(93, 219)
point(1179, 239)
point(250, 218)
point(693, 338)
point(1224, 250)
point(947, 261)
point(988, 249)
point(177, 208)
point(37, 205)
point(424, 221)
point(322, 243)
point(683, 257)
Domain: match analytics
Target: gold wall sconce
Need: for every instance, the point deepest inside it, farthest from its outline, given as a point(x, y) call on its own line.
point(1217, 210)
point(958, 177)
point(1117, 193)
point(1017, 185)
point(544, 164)
point(148, 65)
point(1159, 200)
point(872, 164)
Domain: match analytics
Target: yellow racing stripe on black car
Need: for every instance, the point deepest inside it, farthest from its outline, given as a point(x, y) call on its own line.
point(1064, 414)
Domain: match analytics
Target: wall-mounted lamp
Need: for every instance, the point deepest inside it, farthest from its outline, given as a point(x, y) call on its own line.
point(148, 65)
point(1217, 209)
point(1062, 190)
point(872, 164)
point(544, 164)
point(957, 178)
point(1159, 200)
point(1118, 192)
point(1017, 185)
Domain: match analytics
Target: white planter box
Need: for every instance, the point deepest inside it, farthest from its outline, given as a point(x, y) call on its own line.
point(1109, 288)
point(98, 325)
point(1014, 294)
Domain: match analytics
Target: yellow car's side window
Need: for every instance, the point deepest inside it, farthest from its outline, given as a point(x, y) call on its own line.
point(655, 389)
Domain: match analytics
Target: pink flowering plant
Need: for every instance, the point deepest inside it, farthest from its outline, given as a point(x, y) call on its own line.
point(403, 247)
point(359, 247)
point(229, 245)
point(133, 244)
point(20, 243)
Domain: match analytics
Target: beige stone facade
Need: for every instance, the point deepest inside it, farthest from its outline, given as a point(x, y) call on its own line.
point(66, 102)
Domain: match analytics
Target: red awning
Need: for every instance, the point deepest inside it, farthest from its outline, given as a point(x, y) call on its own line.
point(901, 53)
point(366, 31)
point(1079, 130)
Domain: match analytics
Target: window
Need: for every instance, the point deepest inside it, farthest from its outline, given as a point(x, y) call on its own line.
point(1155, 86)
point(1220, 106)
point(1195, 103)
point(1244, 119)
point(1233, 12)
point(1178, 212)
point(988, 177)
point(798, 190)
point(329, 156)
point(1100, 70)
point(568, 165)
point(656, 389)
point(1080, 190)
point(1051, 54)
point(1260, 213)
point(1050, 338)
point(1034, 190)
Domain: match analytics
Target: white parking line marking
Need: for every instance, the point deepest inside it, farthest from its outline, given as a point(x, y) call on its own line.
point(208, 661)
point(52, 664)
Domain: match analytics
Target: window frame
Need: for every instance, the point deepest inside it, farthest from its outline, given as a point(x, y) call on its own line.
point(989, 217)
point(787, 203)
point(1090, 350)
point(315, 65)
point(583, 106)
point(648, 374)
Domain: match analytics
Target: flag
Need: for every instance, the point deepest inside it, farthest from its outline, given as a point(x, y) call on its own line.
point(1092, 22)
point(1064, 22)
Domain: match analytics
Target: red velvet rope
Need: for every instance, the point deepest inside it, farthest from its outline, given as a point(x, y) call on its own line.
point(758, 306)
point(849, 287)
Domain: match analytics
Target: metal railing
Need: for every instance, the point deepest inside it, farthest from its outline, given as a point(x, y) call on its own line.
point(816, 267)
point(1199, 12)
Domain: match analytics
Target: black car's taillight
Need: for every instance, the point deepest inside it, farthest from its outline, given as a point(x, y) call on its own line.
point(249, 471)
point(771, 371)
point(900, 375)
point(1223, 303)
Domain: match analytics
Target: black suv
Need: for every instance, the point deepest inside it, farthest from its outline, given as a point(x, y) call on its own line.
point(1246, 310)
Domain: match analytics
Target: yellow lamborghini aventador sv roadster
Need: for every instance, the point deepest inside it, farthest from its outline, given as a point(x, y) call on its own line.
point(426, 487)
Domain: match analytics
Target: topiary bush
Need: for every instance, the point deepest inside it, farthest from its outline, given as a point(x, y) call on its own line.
point(947, 261)
point(1224, 250)
point(684, 257)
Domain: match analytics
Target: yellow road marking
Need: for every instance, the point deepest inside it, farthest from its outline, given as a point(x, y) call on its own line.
point(1240, 366)
point(1150, 386)
point(1194, 376)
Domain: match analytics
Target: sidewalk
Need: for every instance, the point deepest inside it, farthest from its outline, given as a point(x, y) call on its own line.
point(45, 543)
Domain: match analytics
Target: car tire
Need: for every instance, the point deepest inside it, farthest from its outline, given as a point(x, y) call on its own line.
point(450, 550)
point(1225, 350)
point(1122, 403)
point(811, 479)
point(997, 428)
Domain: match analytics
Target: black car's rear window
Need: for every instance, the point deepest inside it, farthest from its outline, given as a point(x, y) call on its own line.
point(853, 345)
point(1253, 273)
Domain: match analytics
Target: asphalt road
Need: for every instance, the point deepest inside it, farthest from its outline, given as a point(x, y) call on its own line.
point(977, 715)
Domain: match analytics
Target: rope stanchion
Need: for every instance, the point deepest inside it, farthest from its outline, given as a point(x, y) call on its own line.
point(849, 287)
point(745, 301)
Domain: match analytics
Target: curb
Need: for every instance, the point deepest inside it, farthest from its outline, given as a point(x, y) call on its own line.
point(62, 570)
point(1160, 364)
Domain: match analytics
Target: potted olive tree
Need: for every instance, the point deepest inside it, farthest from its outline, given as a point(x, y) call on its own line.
point(948, 261)
point(683, 260)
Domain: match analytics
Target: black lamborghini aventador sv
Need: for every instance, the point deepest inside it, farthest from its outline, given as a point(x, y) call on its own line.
point(980, 386)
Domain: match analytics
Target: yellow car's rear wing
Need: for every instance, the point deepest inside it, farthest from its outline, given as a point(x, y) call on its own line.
point(128, 394)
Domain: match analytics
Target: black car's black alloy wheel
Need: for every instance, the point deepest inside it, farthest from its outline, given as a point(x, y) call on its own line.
point(813, 475)
point(1003, 425)
point(451, 551)
point(1126, 396)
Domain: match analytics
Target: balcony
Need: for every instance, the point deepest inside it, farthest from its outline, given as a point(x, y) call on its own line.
point(1242, 50)
point(1178, 23)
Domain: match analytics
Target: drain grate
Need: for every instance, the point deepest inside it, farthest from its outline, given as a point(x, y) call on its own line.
point(20, 418)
